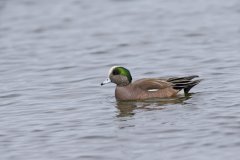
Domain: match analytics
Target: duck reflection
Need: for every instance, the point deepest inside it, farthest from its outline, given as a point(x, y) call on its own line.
point(129, 108)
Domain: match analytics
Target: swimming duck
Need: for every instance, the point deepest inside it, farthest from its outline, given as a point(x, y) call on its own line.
point(147, 88)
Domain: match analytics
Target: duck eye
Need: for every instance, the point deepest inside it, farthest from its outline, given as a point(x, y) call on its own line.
point(115, 72)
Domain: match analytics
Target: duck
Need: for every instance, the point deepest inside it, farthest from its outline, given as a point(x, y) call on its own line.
point(147, 88)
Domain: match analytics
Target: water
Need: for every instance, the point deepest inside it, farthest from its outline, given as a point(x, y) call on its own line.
point(54, 55)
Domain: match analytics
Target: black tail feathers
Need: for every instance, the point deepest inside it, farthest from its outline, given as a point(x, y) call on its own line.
point(185, 83)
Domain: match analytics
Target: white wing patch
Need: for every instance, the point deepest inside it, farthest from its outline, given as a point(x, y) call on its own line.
point(181, 92)
point(153, 90)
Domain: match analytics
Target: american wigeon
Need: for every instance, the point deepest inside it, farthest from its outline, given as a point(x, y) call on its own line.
point(148, 87)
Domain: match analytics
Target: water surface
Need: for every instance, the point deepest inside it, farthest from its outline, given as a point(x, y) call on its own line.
point(54, 55)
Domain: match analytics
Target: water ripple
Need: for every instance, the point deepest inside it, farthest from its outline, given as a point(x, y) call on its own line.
point(55, 55)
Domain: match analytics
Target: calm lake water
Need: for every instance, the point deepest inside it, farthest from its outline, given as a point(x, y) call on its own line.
point(54, 55)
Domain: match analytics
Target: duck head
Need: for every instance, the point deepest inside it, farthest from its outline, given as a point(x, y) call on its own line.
point(118, 75)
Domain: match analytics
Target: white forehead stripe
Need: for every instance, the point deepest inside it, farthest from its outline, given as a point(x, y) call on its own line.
point(111, 69)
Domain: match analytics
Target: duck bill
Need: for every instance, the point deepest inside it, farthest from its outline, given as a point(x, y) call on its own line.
point(106, 81)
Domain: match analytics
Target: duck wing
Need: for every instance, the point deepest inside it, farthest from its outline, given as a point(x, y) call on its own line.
point(177, 83)
point(152, 84)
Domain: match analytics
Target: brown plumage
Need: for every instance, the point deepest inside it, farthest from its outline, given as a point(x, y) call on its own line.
point(148, 87)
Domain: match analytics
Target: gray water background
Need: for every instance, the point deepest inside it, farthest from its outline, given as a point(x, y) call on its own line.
point(54, 54)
